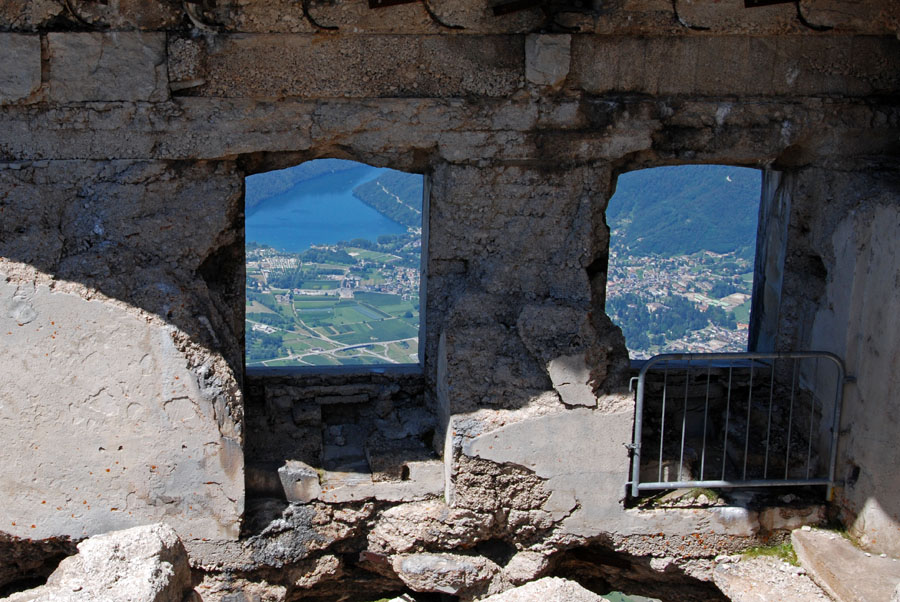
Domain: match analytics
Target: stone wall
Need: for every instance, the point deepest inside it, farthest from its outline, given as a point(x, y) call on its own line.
point(126, 130)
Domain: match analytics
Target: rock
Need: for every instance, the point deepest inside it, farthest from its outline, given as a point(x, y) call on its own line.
point(142, 564)
point(300, 481)
point(445, 573)
point(548, 589)
point(524, 567)
point(431, 523)
point(326, 568)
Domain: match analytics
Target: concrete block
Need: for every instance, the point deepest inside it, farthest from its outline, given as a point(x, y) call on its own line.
point(547, 59)
point(300, 481)
point(729, 65)
point(844, 571)
point(20, 67)
point(120, 66)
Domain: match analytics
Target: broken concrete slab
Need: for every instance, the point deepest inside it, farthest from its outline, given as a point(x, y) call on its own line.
point(20, 69)
point(545, 590)
point(844, 571)
point(143, 564)
point(300, 481)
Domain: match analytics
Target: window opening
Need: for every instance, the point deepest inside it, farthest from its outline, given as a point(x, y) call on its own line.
point(682, 250)
point(333, 264)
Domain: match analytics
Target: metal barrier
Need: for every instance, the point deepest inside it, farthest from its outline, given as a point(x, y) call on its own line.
point(726, 420)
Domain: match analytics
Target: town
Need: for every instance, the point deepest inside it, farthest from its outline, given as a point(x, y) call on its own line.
point(685, 303)
point(351, 303)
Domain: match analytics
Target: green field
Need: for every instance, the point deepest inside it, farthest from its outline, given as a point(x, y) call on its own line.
point(742, 312)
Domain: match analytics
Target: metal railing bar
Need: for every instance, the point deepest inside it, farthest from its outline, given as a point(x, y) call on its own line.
point(687, 384)
point(636, 444)
point(812, 415)
point(727, 416)
point(747, 434)
point(769, 421)
point(705, 416)
point(662, 426)
point(835, 426)
point(787, 453)
point(732, 484)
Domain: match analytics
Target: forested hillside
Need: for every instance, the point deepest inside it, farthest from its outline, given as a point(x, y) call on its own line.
point(395, 195)
point(682, 210)
point(263, 186)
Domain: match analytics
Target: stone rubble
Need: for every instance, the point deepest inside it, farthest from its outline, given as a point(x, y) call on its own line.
point(142, 564)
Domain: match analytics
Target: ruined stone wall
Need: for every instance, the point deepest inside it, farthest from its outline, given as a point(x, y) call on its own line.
point(126, 129)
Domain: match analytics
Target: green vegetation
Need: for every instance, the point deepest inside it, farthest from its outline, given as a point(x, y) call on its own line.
point(260, 188)
point(374, 319)
point(682, 247)
point(784, 551)
point(682, 210)
point(674, 317)
point(395, 195)
point(742, 312)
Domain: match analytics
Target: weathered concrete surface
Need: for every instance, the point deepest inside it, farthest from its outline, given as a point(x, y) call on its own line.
point(89, 461)
point(426, 479)
point(128, 66)
point(142, 564)
point(20, 70)
point(763, 579)
point(843, 570)
point(546, 590)
point(118, 402)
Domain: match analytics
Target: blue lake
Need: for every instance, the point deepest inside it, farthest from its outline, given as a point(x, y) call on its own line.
point(321, 210)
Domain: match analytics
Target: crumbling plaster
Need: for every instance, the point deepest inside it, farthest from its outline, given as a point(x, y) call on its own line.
point(123, 146)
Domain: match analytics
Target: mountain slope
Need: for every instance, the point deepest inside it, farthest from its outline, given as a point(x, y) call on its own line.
point(685, 209)
point(266, 185)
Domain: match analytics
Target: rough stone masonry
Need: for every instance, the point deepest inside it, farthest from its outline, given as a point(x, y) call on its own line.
point(126, 129)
